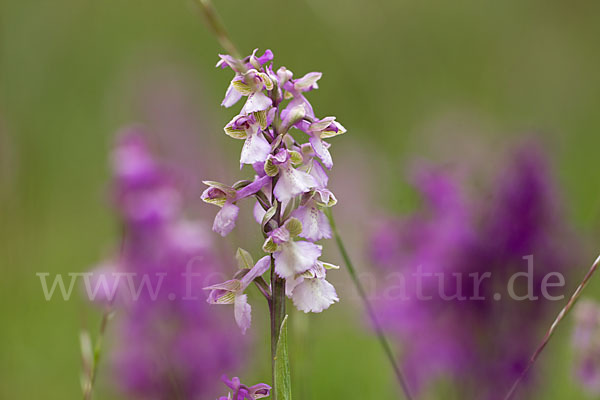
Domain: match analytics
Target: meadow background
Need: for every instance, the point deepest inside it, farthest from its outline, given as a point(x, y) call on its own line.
point(406, 78)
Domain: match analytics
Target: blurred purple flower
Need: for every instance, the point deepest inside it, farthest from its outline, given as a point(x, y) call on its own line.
point(586, 344)
point(169, 343)
point(442, 307)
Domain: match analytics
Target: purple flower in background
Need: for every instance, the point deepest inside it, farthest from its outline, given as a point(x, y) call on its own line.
point(145, 195)
point(168, 343)
point(243, 392)
point(586, 345)
point(446, 263)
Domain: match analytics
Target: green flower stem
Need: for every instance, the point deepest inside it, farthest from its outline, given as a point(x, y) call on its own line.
point(218, 28)
point(277, 315)
point(369, 308)
point(93, 368)
point(107, 315)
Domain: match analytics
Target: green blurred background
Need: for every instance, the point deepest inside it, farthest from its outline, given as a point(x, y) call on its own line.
point(402, 76)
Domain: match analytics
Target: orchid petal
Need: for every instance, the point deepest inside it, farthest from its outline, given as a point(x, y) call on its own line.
point(320, 148)
point(259, 268)
point(257, 101)
point(252, 188)
point(266, 57)
point(315, 225)
point(314, 295)
point(225, 219)
point(256, 149)
point(319, 174)
point(242, 312)
point(232, 96)
point(322, 124)
point(308, 81)
point(292, 182)
point(295, 258)
point(260, 390)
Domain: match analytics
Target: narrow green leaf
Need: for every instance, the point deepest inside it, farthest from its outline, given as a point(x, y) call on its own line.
point(283, 382)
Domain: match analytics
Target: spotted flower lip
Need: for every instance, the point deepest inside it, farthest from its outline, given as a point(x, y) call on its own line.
point(315, 224)
point(310, 291)
point(291, 257)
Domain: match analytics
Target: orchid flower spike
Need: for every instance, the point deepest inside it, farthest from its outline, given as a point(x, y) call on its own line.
point(284, 143)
